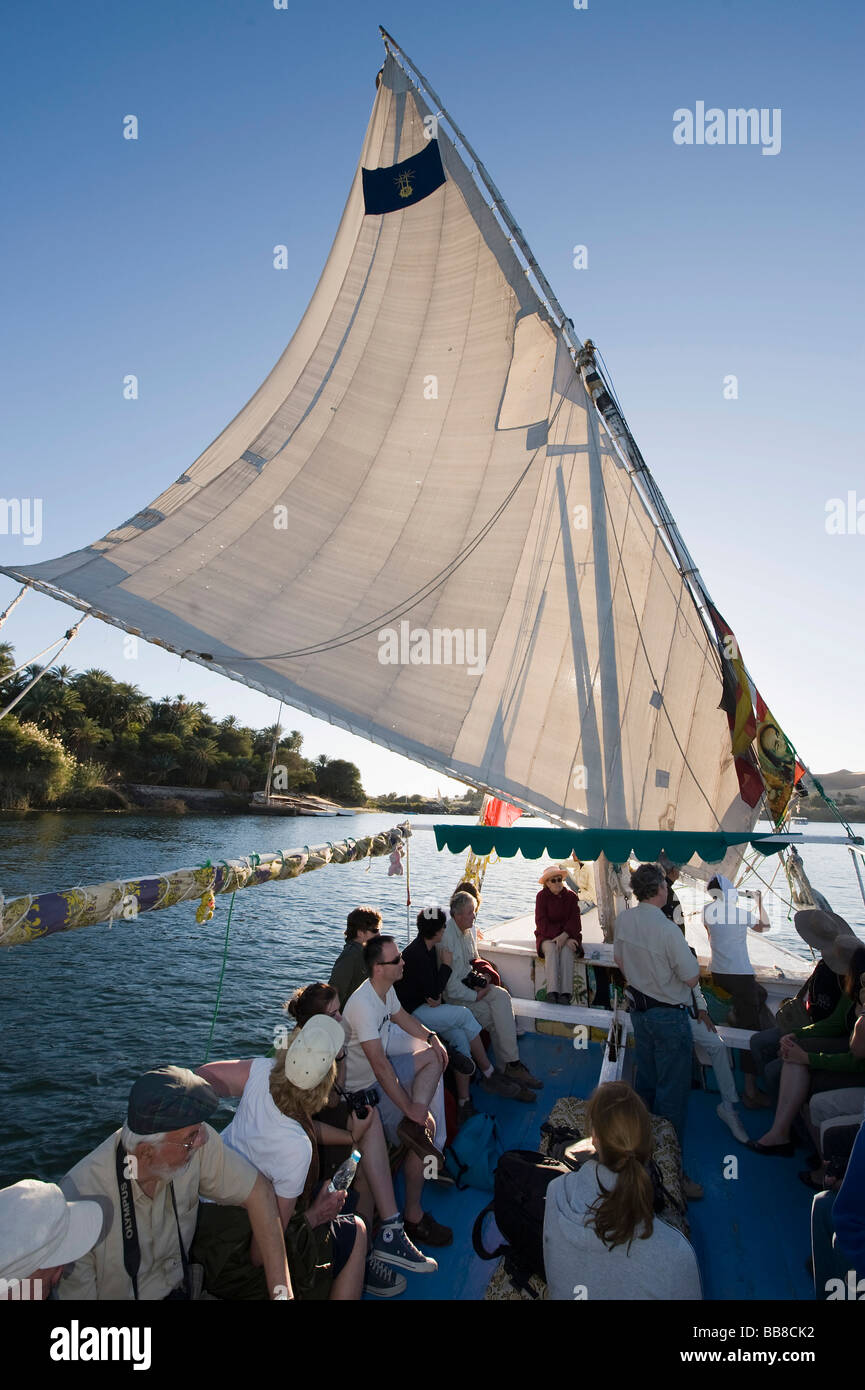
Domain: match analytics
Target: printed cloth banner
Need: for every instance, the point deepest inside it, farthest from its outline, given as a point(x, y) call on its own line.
point(779, 767)
point(737, 704)
point(764, 758)
point(400, 185)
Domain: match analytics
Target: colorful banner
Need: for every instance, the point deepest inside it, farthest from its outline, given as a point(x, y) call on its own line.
point(736, 702)
point(777, 760)
point(764, 758)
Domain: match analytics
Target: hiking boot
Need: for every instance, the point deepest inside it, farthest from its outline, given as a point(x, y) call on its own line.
point(428, 1231)
point(381, 1280)
point(516, 1071)
point(500, 1085)
point(691, 1190)
point(727, 1113)
point(460, 1062)
point(394, 1247)
point(417, 1141)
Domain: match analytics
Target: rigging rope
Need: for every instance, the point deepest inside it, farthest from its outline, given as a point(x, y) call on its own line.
point(16, 600)
point(73, 632)
point(221, 975)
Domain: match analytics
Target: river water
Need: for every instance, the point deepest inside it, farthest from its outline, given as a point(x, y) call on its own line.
point(85, 1012)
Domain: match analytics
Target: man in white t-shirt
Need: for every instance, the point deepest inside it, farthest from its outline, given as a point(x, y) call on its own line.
point(383, 1052)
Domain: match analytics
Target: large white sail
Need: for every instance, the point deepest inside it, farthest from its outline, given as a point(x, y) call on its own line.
point(418, 529)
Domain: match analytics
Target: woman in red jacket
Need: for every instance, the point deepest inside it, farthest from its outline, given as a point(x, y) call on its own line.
point(558, 933)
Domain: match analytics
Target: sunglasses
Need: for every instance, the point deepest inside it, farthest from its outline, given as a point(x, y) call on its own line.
point(396, 960)
point(555, 880)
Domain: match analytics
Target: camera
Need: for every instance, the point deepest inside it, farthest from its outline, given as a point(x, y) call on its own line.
point(360, 1101)
point(475, 980)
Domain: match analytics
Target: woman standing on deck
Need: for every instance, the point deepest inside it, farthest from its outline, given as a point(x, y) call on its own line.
point(558, 933)
point(601, 1234)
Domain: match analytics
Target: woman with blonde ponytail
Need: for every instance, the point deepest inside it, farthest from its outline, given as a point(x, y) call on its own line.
point(602, 1239)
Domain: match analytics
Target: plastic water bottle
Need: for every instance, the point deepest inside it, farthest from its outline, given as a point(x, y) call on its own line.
point(342, 1178)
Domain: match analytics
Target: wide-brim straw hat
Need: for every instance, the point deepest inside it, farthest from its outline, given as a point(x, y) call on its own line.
point(829, 934)
point(554, 871)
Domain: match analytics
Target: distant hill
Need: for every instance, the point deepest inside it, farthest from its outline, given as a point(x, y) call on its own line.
point(843, 781)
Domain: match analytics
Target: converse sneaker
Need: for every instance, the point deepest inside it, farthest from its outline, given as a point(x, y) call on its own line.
point(381, 1280)
point(394, 1247)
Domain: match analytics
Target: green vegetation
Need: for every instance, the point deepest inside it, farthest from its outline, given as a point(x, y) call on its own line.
point(76, 738)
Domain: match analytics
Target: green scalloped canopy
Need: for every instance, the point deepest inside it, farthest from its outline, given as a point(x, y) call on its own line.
point(535, 841)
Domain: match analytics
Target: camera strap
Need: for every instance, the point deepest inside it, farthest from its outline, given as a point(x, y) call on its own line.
point(129, 1226)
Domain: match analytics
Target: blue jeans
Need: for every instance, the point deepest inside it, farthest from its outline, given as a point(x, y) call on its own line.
point(663, 1043)
point(453, 1022)
point(830, 1262)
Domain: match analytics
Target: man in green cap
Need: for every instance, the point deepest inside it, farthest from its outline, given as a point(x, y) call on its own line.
point(147, 1177)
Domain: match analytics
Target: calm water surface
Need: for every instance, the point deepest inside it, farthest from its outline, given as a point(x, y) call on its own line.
point(85, 1012)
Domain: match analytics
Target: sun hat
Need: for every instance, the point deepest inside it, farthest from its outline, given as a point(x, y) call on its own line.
point(551, 871)
point(169, 1098)
point(312, 1052)
point(39, 1229)
point(829, 934)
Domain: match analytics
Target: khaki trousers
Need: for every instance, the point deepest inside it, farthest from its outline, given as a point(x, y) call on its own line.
point(494, 1012)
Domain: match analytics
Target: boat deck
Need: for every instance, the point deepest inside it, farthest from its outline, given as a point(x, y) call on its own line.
point(751, 1233)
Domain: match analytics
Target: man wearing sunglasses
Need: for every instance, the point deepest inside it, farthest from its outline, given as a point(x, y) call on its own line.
point(394, 1052)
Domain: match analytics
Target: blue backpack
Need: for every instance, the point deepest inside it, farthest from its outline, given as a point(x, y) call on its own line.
point(472, 1157)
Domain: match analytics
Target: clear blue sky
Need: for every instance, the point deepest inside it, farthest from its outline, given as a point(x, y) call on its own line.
point(154, 257)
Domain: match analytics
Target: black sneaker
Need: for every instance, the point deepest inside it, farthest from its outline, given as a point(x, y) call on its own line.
point(460, 1062)
point(428, 1231)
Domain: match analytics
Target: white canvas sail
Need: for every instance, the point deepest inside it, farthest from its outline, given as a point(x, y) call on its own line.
point(418, 529)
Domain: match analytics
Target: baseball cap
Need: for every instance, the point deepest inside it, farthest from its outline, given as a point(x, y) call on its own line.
point(312, 1051)
point(169, 1098)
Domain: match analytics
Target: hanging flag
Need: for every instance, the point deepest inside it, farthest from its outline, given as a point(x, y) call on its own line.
point(493, 811)
point(736, 700)
point(779, 767)
point(496, 812)
point(400, 185)
point(737, 704)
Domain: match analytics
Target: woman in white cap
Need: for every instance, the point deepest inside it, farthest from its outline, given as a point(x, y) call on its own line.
point(41, 1233)
point(558, 933)
point(272, 1128)
point(728, 925)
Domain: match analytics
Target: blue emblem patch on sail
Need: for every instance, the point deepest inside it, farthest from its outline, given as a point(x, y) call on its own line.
point(400, 185)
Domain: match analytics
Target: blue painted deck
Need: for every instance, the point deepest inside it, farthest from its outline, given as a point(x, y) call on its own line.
point(751, 1233)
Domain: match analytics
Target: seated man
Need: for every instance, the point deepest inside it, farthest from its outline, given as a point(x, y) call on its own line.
point(147, 1177)
point(409, 1079)
point(41, 1233)
point(490, 1004)
point(349, 969)
point(420, 992)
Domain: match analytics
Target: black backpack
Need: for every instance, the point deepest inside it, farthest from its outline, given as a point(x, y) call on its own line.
point(519, 1195)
